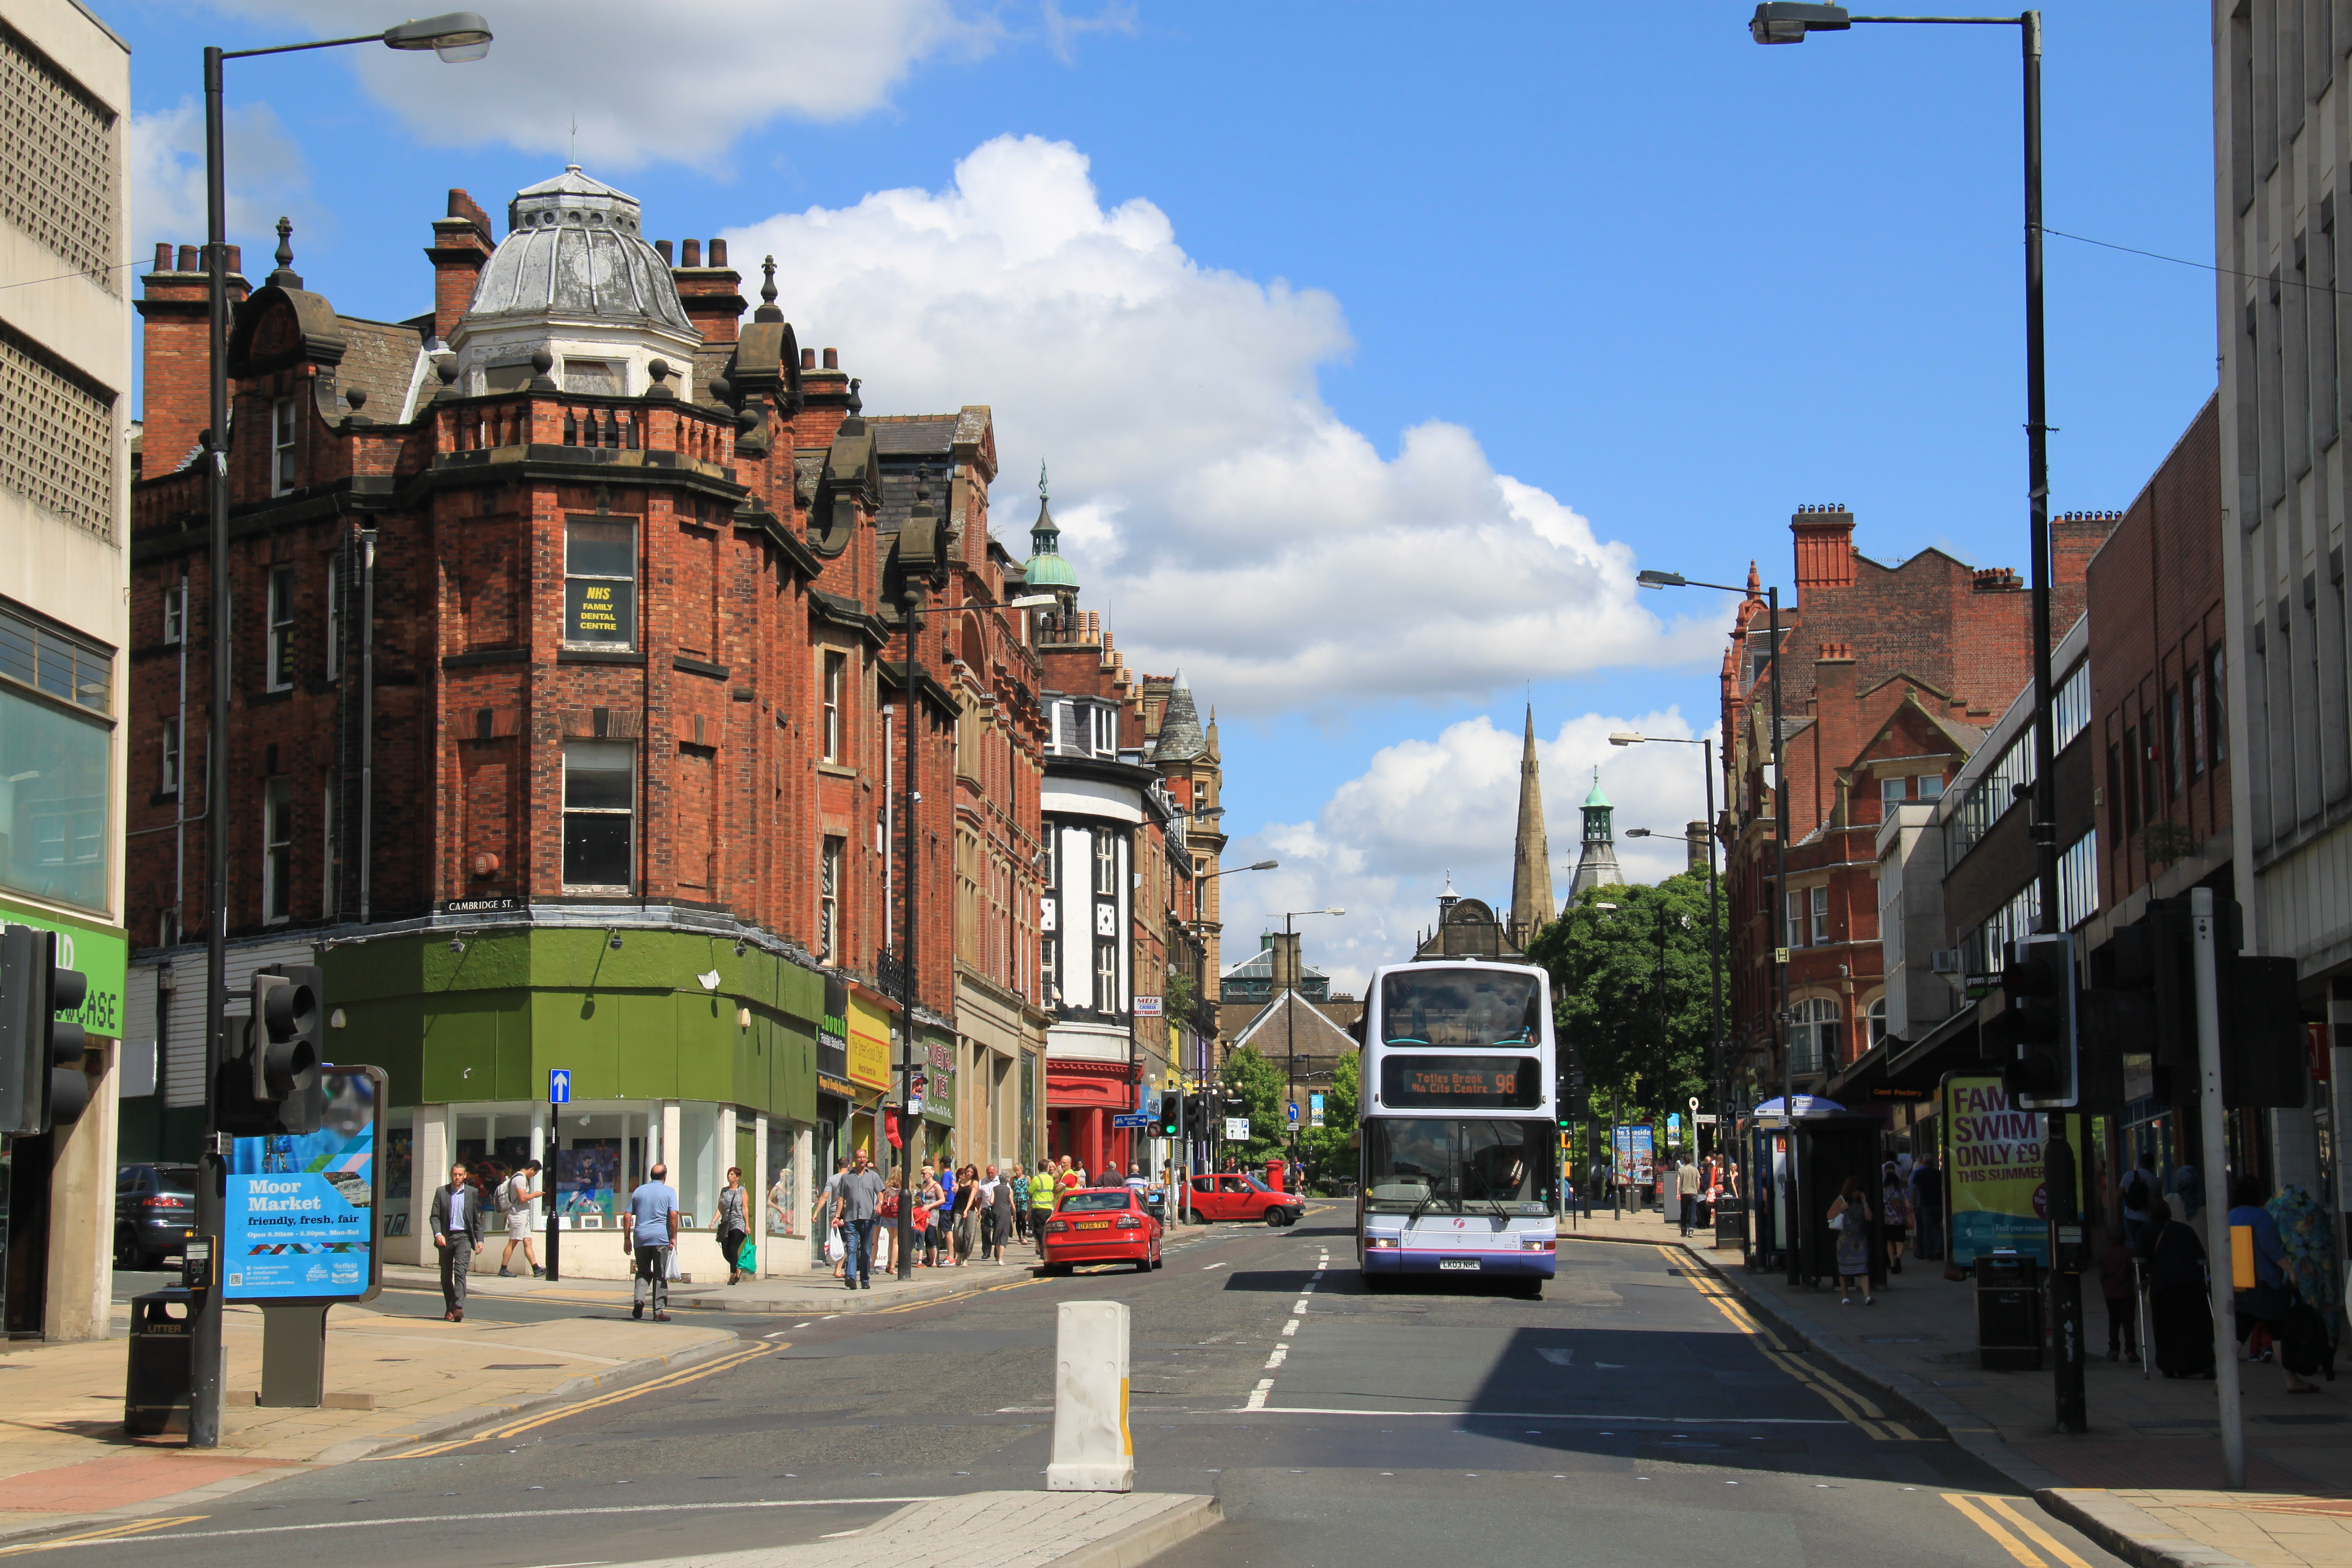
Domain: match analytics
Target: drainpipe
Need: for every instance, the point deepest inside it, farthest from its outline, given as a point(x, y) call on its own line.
point(367, 719)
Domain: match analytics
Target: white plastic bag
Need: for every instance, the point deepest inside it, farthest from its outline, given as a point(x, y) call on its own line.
point(833, 1247)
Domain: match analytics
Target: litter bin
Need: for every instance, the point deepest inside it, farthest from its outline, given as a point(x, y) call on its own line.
point(1730, 1227)
point(2008, 1313)
point(155, 1394)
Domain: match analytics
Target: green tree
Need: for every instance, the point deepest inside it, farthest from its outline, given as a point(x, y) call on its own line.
point(1608, 975)
point(1330, 1149)
point(1258, 1084)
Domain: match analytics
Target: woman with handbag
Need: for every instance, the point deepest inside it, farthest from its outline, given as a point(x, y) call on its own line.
point(1850, 1219)
point(732, 1222)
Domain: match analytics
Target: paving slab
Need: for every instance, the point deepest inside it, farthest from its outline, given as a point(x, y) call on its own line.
point(997, 1529)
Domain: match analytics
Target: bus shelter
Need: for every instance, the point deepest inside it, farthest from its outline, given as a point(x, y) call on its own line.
point(1807, 1157)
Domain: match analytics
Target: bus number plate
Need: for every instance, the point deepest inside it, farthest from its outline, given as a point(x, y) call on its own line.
point(1457, 1263)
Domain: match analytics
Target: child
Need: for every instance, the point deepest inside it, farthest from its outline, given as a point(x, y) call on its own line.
point(2115, 1282)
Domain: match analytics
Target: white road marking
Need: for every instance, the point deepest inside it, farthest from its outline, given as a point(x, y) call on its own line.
point(1290, 1327)
point(1206, 1266)
point(1299, 1305)
point(1257, 1395)
point(1560, 1415)
point(1559, 1357)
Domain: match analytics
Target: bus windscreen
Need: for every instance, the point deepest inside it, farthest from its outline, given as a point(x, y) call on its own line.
point(1460, 1083)
point(1417, 1165)
point(1460, 1009)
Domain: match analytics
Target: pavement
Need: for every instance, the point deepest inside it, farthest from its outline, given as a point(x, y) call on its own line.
point(2144, 1480)
point(783, 1296)
point(394, 1377)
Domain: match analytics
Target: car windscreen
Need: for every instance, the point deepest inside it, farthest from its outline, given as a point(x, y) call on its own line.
point(1460, 1009)
point(1094, 1203)
point(175, 1178)
point(1449, 1165)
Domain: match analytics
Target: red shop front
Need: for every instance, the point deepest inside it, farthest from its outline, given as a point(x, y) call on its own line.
point(1081, 1098)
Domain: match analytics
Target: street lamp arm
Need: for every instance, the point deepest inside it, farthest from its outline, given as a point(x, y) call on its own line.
point(296, 49)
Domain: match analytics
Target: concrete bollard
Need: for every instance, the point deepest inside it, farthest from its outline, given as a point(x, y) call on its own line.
point(1093, 1450)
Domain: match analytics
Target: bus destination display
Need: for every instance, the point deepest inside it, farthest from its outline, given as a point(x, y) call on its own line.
point(1460, 1083)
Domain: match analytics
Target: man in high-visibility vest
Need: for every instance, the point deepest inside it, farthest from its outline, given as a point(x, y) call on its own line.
point(1041, 1204)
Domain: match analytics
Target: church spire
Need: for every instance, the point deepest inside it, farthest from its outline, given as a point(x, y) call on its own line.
point(1531, 906)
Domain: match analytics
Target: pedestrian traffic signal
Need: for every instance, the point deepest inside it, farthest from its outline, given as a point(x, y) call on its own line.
point(2143, 997)
point(2037, 1021)
point(1172, 1115)
point(269, 1080)
point(42, 1085)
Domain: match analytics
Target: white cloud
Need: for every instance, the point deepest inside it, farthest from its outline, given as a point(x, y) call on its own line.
point(1384, 843)
point(679, 81)
point(267, 178)
point(1224, 514)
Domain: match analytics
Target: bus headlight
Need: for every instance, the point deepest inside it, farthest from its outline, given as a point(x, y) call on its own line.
point(1539, 1244)
point(1384, 1243)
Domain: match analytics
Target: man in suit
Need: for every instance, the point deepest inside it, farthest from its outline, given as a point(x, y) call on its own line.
point(457, 1220)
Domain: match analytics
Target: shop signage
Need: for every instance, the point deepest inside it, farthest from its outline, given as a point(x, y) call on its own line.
point(1147, 1007)
point(1999, 1199)
point(868, 1055)
point(100, 954)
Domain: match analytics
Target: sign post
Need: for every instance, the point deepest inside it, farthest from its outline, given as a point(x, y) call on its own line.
point(559, 1095)
point(2217, 1205)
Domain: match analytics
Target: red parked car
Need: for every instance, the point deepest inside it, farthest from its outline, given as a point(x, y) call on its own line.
point(1237, 1195)
point(1101, 1224)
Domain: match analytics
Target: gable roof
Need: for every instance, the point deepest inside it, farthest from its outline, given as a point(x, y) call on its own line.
point(1316, 1032)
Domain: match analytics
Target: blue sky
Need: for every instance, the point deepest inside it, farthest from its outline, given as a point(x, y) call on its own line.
point(1636, 287)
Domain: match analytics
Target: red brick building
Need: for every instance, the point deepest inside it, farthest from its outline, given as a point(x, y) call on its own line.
point(570, 650)
point(1890, 675)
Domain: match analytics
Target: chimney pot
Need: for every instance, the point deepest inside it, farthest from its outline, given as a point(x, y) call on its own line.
point(833, 359)
point(236, 259)
point(689, 253)
point(187, 257)
point(163, 256)
point(661, 247)
point(718, 252)
point(808, 359)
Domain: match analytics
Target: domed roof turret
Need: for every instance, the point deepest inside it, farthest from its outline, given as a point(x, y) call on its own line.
point(573, 250)
point(1046, 568)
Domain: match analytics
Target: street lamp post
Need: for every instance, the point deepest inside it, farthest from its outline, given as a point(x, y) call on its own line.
point(1203, 1060)
point(1783, 23)
point(1725, 1121)
point(1291, 1032)
point(1778, 925)
point(456, 38)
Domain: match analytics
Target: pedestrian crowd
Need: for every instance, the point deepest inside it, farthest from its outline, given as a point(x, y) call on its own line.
point(953, 1214)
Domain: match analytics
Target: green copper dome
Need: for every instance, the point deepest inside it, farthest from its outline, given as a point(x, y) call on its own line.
point(1596, 798)
point(1045, 567)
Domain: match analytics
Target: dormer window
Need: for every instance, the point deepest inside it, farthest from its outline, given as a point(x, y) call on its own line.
point(281, 447)
point(1106, 731)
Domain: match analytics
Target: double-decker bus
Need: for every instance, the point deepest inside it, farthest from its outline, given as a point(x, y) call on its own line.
point(1459, 1163)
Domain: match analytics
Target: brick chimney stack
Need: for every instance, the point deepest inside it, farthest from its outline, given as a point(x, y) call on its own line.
point(177, 364)
point(461, 248)
point(1824, 547)
point(713, 295)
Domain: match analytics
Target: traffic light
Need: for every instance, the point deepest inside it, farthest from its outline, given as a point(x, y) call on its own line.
point(269, 1082)
point(2265, 1060)
point(2037, 1021)
point(2143, 997)
point(1570, 1102)
point(1172, 1115)
point(41, 1081)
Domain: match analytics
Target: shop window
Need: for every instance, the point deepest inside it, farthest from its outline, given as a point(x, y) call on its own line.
point(599, 815)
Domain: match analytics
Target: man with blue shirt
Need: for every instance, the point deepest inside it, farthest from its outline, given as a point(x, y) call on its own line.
point(647, 1232)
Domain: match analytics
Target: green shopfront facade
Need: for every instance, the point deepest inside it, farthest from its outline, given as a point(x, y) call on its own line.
point(469, 1022)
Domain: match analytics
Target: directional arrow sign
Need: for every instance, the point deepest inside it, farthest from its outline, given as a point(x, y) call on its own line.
point(1126, 1120)
point(559, 1086)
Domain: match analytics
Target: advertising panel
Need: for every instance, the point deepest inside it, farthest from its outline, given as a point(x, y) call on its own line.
point(1635, 1149)
point(1998, 1199)
point(299, 1224)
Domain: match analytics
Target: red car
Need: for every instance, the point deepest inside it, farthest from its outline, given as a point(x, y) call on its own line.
point(1101, 1224)
point(1236, 1194)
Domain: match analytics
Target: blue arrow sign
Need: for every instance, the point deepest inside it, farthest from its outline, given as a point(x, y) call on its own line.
point(1126, 1120)
point(1294, 1113)
point(559, 1086)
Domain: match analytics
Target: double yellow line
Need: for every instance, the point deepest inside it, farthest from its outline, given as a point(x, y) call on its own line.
point(1855, 1408)
point(1990, 1515)
point(107, 1533)
point(671, 1380)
